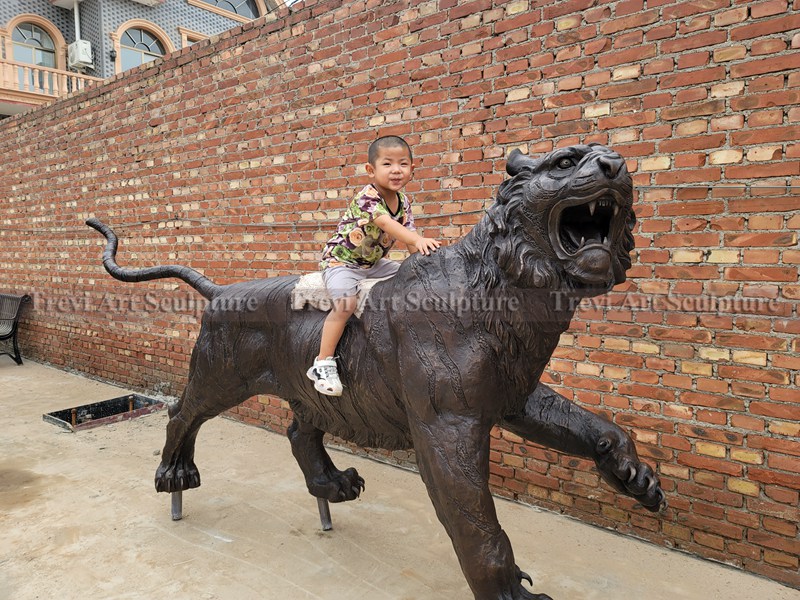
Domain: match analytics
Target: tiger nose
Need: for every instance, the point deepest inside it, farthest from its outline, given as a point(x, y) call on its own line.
point(611, 164)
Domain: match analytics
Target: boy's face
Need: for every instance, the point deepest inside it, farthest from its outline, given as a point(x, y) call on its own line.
point(392, 169)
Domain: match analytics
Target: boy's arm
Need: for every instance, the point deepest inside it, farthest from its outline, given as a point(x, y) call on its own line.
point(410, 238)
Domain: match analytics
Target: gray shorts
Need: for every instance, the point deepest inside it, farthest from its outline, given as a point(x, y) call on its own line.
point(342, 282)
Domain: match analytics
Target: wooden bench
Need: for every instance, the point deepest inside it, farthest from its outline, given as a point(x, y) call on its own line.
point(10, 308)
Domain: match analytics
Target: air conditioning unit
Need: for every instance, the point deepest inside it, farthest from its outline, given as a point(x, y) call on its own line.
point(79, 54)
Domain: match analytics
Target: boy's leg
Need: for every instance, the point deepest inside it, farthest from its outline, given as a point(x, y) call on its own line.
point(341, 283)
point(342, 286)
point(383, 268)
point(334, 325)
point(323, 372)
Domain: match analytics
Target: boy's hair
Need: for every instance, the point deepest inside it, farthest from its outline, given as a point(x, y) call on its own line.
point(387, 141)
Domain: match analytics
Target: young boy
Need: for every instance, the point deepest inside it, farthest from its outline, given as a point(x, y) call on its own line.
point(379, 215)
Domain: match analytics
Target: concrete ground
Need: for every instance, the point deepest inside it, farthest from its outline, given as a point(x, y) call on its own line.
point(80, 520)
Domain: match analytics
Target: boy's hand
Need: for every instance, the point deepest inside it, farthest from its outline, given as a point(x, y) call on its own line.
point(413, 241)
point(426, 245)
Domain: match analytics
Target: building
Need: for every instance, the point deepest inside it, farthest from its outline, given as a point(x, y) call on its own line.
point(49, 48)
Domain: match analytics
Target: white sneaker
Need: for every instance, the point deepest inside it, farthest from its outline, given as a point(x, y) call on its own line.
point(325, 376)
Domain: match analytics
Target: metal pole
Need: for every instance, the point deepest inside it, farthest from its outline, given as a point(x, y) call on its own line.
point(177, 505)
point(324, 514)
point(77, 20)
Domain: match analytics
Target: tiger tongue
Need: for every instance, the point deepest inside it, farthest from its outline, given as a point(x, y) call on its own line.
point(592, 264)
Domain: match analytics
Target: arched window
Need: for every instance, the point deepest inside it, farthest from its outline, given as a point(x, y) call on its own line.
point(244, 8)
point(32, 45)
point(137, 42)
point(138, 46)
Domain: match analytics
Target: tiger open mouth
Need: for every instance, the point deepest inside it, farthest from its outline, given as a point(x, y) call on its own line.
point(584, 224)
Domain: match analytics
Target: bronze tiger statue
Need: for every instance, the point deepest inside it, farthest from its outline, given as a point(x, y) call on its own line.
point(452, 345)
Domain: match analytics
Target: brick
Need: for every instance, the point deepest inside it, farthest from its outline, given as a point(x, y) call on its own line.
point(781, 559)
point(765, 101)
point(518, 94)
point(692, 128)
point(770, 8)
point(784, 428)
point(751, 341)
point(764, 65)
point(784, 168)
point(713, 526)
point(745, 422)
point(513, 8)
point(627, 72)
point(760, 274)
point(764, 153)
point(708, 449)
point(764, 28)
point(747, 456)
point(710, 400)
point(780, 204)
point(709, 107)
point(779, 411)
point(634, 21)
point(730, 17)
point(749, 240)
point(726, 123)
point(727, 89)
point(687, 9)
point(762, 47)
point(623, 90)
point(741, 486)
point(570, 22)
point(691, 42)
point(687, 256)
point(696, 272)
point(715, 353)
point(784, 463)
point(656, 163)
point(597, 110)
point(749, 357)
point(748, 390)
point(710, 540)
point(723, 256)
point(729, 53)
point(722, 157)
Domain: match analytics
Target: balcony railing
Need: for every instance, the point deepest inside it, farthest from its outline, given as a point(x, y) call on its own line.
point(32, 84)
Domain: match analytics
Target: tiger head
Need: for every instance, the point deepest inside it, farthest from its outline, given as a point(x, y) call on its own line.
point(563, 221)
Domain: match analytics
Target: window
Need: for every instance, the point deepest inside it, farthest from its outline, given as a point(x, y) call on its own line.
point(244, 8)
point(33, 46)
point(137, 42)
point(189, 37)
point(138, 46)
point(242, 11)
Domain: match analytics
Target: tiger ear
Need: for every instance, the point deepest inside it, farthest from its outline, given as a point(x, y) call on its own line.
point(518, 162)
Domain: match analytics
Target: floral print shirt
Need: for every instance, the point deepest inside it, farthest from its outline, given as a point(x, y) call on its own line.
point(359, 243)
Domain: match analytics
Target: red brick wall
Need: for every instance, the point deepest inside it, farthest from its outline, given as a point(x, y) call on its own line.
point(236, 157)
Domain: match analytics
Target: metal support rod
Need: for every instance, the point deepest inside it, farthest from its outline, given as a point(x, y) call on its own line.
point(76, 14)
point(177, 505)
point(324, 514)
